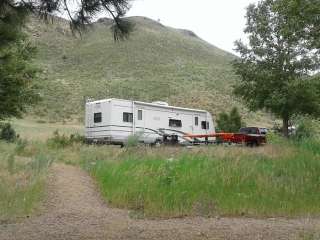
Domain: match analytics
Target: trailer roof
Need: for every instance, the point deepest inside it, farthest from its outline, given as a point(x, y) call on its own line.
point(148, 104)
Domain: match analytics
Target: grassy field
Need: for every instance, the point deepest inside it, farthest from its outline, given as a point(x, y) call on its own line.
point(279, 179)
point(23, 168)
point(40, 130)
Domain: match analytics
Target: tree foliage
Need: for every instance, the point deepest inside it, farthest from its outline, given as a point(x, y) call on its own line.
point(80, 13)
point(276, 68)
point(230, 122)
point(17, 88)
point(302, 20)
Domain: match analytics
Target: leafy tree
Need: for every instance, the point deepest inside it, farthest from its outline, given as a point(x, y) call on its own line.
point(17, 88)
point(302, 19)
point(235, 120)
point(277, 65)
point(231, 122)
point(223, 122)
point(80, 13)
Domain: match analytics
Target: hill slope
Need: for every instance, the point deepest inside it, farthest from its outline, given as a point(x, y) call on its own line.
point(156, 63)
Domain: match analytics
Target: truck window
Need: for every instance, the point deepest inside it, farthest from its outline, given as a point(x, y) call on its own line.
point(249, 130)
point(127, 117)
point(97, 117)
point(196, 121)
point(139, 114)
point(175, 123)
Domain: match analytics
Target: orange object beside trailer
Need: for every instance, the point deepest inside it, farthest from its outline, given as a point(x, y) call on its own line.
point(226, 137)
point(248, 136)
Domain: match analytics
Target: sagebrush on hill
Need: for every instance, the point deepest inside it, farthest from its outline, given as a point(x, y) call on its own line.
point(156, 63)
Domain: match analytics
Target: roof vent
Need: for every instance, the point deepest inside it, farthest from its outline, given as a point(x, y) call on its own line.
point(161, 103)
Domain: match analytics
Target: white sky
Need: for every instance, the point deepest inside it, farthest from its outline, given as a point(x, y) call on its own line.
point(219, 22)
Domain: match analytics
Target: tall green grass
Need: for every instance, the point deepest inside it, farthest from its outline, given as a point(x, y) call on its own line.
point(23, 169)
point(278, 180)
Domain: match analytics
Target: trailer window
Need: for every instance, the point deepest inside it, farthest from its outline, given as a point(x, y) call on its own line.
point(196, 121)
point(205, 125)
point(127, 117)
point(175, 123)
point(139, 114)
point(97, 117)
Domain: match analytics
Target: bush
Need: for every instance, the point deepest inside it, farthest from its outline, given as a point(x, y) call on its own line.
point(132, 141)
point(305, 129)
point(7, 132)
point(62, 141)
point(77, 138)
point(230, 122)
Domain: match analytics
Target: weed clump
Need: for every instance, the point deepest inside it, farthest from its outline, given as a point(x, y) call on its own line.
point(132, 141)
point(61, 140)
point(306, 129)
point(7, 132)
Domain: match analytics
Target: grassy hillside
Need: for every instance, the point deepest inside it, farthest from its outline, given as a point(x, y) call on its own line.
point(156, 63)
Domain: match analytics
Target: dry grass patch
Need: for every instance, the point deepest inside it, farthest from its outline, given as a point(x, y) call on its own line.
point(22, 178)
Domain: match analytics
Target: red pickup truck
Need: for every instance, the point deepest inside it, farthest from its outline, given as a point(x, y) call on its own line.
point(250, 136)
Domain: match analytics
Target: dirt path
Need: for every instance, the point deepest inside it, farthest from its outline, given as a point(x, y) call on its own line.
point(75, 210)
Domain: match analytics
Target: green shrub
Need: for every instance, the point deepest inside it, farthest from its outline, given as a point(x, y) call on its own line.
point(305, 129)
point(41, 121)
point(7, 132)
point(276, 138)
point(62, 141)
point(77, 138)
point(58, 141)
point(133, 140)
point(230, 122)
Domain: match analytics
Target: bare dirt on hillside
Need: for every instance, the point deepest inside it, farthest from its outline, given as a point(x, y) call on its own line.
point(74, 209)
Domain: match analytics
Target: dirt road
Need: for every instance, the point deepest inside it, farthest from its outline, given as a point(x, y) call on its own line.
point(75, 210)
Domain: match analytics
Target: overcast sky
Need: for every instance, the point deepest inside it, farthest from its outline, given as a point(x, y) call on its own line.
point(219, 22)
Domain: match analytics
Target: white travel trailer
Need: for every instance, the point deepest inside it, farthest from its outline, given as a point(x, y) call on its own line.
point(114, 120)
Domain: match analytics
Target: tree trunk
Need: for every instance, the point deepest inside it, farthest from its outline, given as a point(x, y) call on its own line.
point(285, 126)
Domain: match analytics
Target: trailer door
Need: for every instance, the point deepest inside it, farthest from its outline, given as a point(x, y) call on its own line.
point(140, 119)
point(196, 124)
